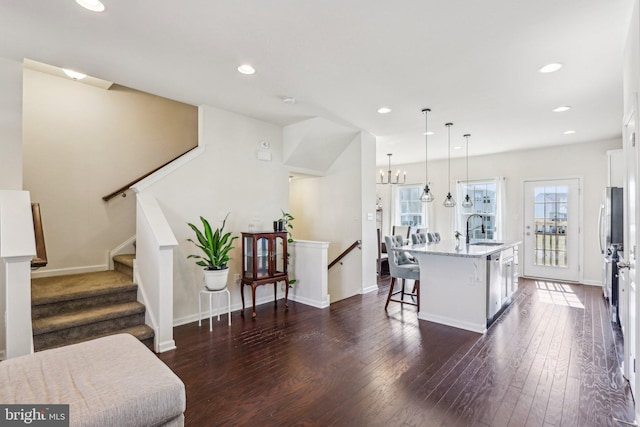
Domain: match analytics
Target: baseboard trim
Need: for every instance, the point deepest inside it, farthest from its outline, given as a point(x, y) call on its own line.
point(166, 346)
point(468, 326)
point(69, 270)
point(373, 288)
point(310, 302)
point(592, 283)
point(223, 310)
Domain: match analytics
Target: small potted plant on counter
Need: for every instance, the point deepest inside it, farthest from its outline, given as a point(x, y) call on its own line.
point(216, 245)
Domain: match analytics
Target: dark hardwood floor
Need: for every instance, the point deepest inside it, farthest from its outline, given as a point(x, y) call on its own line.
point(551, 359)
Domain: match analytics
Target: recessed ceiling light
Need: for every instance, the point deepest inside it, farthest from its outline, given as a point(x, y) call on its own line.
point(550, 68)
point(92, 5)
point(384, 110)
point(74, 74)
point(246, 69)
point(569, 132)
point(428, 133)
point(457, 147)
point(288, 99)
point(561, 109)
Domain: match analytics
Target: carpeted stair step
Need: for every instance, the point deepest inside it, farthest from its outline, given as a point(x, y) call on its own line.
point(142, 332)
point(57, 295)
point(124, 263)
point(54, 331)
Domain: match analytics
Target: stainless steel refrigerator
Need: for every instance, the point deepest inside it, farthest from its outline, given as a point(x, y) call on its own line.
point(611, 234)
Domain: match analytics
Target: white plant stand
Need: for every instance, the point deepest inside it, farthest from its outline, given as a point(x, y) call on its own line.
point(210, 294)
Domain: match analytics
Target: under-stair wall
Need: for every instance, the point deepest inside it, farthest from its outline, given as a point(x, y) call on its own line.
point(155, 243)
point(17, 248)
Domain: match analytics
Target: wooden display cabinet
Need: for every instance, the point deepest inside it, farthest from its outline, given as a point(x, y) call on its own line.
point(264, 260)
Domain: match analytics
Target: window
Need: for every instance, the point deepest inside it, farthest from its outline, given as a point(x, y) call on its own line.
point(483, 195)
point(410, 209)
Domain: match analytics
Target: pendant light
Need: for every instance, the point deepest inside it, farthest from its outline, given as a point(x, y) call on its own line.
point(467, 203)
point(426, 193)
point(388, 181)
point(449, 202)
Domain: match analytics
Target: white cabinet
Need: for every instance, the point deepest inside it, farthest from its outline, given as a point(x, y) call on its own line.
point(616, 168)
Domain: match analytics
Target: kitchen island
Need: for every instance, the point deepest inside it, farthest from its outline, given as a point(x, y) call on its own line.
point(465, 285)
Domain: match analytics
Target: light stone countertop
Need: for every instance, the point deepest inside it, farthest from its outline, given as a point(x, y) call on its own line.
point(449, 248)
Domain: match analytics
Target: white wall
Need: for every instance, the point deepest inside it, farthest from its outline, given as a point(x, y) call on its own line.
point(334, 208)
point(10, 125)
point(631, 70)
point(228, 177)
point(368, 212)
point(585, 160)
point(81, 143)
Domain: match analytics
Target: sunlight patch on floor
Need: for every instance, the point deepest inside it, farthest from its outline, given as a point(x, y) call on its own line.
point(557, 294)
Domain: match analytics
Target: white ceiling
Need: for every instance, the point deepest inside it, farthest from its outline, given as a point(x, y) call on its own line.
point(474, 63)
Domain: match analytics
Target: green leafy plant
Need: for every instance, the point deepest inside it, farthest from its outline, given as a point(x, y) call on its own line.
point(215, 244)
point(287, 218)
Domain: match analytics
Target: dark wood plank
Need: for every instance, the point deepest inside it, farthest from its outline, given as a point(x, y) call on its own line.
point(541, 363)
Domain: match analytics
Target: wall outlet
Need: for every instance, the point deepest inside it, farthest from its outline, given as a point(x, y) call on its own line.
point(236, 279)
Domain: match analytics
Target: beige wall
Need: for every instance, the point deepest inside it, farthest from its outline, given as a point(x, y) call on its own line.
point(81, 143)
point(10, 125)
point(576, 160)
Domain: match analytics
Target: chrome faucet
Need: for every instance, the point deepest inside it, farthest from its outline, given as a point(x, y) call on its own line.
point(471, 216)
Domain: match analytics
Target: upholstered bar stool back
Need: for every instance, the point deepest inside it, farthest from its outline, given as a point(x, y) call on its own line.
point(418, 238)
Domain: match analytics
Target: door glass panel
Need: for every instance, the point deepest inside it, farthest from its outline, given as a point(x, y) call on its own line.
point(550, 211)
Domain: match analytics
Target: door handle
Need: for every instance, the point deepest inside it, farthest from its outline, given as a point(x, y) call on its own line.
point(623, 264)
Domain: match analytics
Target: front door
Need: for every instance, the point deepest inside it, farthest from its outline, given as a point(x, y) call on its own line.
point(552, 224)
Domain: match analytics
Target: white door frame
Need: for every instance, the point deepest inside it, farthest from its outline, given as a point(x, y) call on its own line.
point(580, 221)
point(630, 321)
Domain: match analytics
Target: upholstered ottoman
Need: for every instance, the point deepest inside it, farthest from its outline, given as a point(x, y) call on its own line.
point(110, 381)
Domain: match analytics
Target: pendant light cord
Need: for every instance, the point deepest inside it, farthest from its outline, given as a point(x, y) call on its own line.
point(448, 125)
point(426, 145)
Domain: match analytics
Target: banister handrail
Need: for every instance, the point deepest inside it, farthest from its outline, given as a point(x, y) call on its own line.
point(354, 245)
point(40, 260)
point(122, 190)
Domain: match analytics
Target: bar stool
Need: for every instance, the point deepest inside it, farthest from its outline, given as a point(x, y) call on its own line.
point(401, 268)
point(206, 291)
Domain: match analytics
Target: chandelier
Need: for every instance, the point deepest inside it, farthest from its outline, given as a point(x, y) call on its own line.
point(388, 181)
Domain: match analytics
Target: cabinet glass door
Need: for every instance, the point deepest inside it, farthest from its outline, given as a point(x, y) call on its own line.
point(248, 256)
point(279, 255)
point(262, 252)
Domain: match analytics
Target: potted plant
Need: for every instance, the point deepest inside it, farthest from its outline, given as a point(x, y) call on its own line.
point(216, 246)
point(287, 221)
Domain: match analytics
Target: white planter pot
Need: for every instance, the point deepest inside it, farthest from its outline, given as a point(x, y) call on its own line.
point(216, 280)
